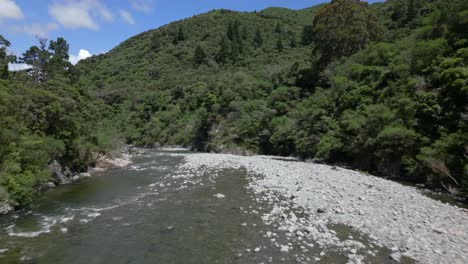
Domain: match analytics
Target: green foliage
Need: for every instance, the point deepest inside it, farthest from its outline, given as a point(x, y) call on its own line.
point(4, 57)
point(156, 42)
point(258, 39)
point(279, 45)
point(44, 118)
point(200, 56)
point(278, 28)
point(179, 35)
point(342, 28)
point(307, 35)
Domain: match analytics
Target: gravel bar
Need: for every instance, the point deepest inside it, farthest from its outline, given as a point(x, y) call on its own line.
point(392, 215)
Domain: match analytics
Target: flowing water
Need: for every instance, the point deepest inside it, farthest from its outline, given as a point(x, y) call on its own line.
point(143, 214)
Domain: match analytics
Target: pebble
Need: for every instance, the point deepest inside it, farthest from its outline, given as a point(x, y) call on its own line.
point(383, 212)
point(396, 256)
point(219, 196)
point(284, 248)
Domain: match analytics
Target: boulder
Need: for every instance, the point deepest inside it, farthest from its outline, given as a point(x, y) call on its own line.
point(396, 256)
point(75, 178)
point(85, 175)
point(67, 172)
point(219, 196)
point(50, 185)
point(5, 206)
point(321, 210)
point(56, 170)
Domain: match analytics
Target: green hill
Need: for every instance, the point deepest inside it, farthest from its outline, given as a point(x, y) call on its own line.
point(136, 65)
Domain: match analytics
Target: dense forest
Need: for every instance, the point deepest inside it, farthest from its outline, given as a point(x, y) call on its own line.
point(381, 88)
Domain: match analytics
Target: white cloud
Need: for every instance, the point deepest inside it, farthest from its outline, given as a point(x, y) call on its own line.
point(127, 17)
point(80, 13)
point(10, 10)
point(18, 66)
point(83, 54)
point(145, 6)
point(35, 29)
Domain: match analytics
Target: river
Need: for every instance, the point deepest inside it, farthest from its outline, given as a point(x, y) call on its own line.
point(145, 214)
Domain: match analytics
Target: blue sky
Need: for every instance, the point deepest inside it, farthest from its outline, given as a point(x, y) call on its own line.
point(96, 26)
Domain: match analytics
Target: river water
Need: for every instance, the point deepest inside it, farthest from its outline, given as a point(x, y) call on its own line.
point(143, 214)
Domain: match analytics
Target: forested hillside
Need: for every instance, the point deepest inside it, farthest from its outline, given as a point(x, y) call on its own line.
point(45, 117)
point(381, 87)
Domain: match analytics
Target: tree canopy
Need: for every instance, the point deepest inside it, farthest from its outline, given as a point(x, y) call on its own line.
point(342, 28)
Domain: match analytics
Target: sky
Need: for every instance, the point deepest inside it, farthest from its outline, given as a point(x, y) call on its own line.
point(96, 26)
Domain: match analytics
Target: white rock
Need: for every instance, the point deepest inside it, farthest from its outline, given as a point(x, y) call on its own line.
point(284, 248)
point(396, 256)
point(219, 196)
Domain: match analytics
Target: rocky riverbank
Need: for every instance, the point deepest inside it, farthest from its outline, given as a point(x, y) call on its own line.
point(5, 206)
point(62, 175)
point(392, 215)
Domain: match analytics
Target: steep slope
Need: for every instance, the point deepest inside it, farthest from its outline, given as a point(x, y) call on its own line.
point(136, 65)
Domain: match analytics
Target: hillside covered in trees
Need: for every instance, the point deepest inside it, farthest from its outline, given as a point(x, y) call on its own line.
point(381, 88)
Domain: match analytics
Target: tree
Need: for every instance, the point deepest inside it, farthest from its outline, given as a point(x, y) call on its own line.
point(279, 44)
point(180, 35)
point(278, 28)
point(43, 60)
point(4, 57)
point(200, 56)
point(411, 13)
point(31, 57)
point(245, 34)
point(230, 32)
point(292, 42)
point(342, 28)
point(47, 61)
point(155, 42)
point(224, 50)
point(307, 36)
point(233, 34)
point(59, 58)
point(258, 39)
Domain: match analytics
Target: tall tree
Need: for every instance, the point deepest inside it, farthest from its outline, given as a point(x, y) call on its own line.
point(224, 50)
point(31, 58)
point(180, 35)
point(307, 36)
point(200, 56)
point(279, 44)
point(411, 13)
point(258, 39)
point(293, 42)
point(47, 60)
point(278, 28)
point(155, 41)
point(233, 41)
point(245, 34)
point(5, 58)
point(342, 28)
point(59, 58)
point(230, 31)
